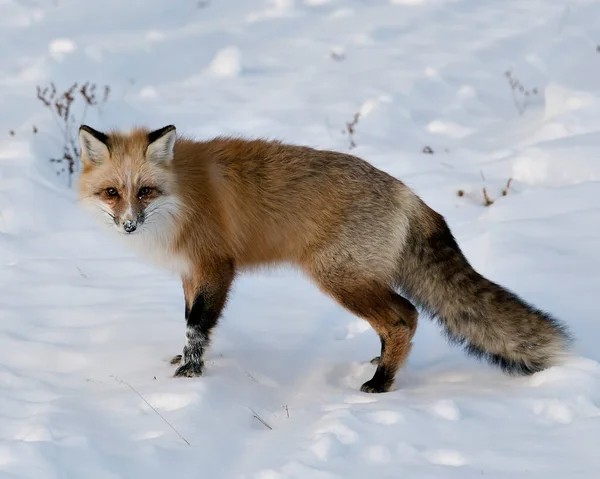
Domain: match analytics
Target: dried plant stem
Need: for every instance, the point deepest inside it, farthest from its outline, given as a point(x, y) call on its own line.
point(486, 198)
point(351, 128)
point(517, 89)
point(61, 106)
point(505, 190)
point(256, 416)
point(121, 381)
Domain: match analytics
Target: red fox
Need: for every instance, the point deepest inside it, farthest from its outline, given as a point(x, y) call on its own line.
point(209, 209)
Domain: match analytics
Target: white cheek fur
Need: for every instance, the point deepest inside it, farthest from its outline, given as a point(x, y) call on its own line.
point(99, 211)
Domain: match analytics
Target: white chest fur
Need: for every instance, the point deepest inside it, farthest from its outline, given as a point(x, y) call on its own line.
point(155, 240)
point(155, 237)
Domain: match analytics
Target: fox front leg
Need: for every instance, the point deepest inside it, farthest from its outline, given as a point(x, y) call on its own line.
point(205, 295)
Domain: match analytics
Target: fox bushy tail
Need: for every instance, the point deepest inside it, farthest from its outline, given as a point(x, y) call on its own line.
point(491, 322)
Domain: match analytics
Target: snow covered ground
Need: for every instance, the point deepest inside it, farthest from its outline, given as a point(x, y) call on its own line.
point(81, 319)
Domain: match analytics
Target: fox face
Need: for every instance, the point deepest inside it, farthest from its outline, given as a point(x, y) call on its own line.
point(128, 181)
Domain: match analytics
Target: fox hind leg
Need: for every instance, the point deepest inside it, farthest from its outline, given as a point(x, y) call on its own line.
point(395, 321)
point(393, 317)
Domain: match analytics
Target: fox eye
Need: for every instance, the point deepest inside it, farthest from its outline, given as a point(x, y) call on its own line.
point(112, 192)
point(144, 191)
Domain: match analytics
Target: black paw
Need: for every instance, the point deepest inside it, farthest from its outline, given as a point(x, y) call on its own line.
point(176, 360)
point(376, 386)
point(189, 370)
point(375, 360)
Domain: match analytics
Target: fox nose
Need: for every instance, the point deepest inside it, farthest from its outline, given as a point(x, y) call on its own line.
point(129, 226)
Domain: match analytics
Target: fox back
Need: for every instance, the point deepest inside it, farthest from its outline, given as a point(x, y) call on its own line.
point(259, 202)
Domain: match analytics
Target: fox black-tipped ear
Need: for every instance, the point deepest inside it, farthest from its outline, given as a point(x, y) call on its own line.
point(161, 144)
point(93, 144)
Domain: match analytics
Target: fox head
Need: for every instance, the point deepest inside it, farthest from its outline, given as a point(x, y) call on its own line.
point(127, 179)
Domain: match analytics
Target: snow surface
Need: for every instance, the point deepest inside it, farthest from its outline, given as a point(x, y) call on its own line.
point(81, 318)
